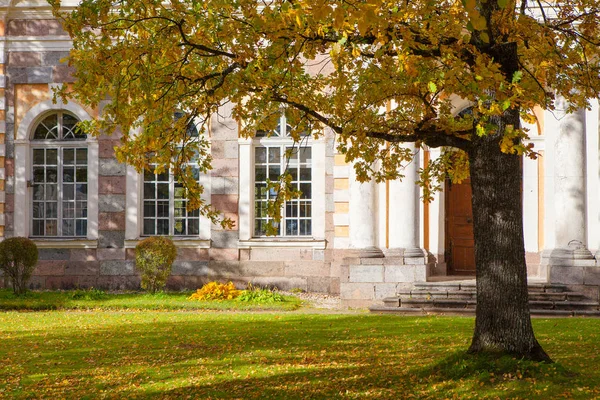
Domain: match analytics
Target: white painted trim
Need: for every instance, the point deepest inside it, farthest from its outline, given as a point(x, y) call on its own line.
point(530, 204)
point(93, 166)
point(132, 204)
point(38, 43)
point(278, 242)
point(551, 126)
point(592, 130)
point(182, 243)
point(22, 171)
point(245, 188)
point(437, 213)
point(65, 243)
point(36, 112)
point(318, 189)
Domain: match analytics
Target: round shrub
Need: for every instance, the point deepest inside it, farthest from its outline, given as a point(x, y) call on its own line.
point(154, 258)
point(18, 257)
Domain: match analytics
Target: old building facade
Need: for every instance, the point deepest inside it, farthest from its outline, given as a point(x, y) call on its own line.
point(86, 212)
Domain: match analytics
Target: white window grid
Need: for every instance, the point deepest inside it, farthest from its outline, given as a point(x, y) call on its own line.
point(273, 155)
point(165, 205)
point(60, 178)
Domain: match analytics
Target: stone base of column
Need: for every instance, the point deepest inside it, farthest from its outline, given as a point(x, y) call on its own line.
point(370, 252)
point(569, 266)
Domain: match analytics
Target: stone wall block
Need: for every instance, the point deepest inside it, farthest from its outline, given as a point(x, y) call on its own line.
point(415, 260)
point(227, 203)
point(111, 221)
point(384, 290)
point(39, 74)
point(224, 185)
point(52, 58)
point(191, 254)
point(224, 269)
point(54, 254)
point(63, 74)
point(232, 149)
point(122, 268)
point(334, 287)
point(111, 167)
point(109, 282)
point(372, 261)
point(83, 255)
point(366, 273)
point(217, 149)
point(190, 268)
point(47, 268)
point(106, 148)
point(400, 273)
point(111, 203)
point(278, 254)
point(112, 184)
point(262, 268)
point(24, 59)
point(224, 167)
point(175, 282)
point(111, 254)
point(566, 275)
point(224, 254)
point(77, 268)
point(357, 291)
point(36, 283)
point(62, 282)
point(318, 255)
point(307, 268)
point(225, 239)
point(17, 75)
point(591, 276)
point(318, 284)
point(88, 281)
point(111, 239)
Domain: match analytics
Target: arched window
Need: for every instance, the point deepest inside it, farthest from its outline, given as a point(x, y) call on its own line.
point(60, 177)
point(275, 153)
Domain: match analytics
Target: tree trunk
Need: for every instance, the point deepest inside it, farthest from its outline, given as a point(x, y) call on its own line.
point(502, 321)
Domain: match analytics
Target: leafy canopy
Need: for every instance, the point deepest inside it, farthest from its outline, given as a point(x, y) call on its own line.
point(377, 73)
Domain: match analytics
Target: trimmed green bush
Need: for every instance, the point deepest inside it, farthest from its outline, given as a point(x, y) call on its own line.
point(18, 257)
point(154, 258)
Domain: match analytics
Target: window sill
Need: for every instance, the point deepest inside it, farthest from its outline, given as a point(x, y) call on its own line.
point(179, 242)
point(65, 243)
point(278, 242)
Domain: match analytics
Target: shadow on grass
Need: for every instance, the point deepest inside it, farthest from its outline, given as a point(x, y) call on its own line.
point(287, 356)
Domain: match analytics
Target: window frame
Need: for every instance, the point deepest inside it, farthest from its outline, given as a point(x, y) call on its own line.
point(247, 239)
point(172, 182)
point(283, 143)
point(22, 221)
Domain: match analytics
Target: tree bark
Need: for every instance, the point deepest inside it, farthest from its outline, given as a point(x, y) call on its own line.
point(502, 321)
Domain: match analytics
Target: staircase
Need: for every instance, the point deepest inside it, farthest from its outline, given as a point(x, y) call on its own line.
point(460, 297)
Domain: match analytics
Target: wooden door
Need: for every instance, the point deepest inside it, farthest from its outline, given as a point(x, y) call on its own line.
point(460, 245)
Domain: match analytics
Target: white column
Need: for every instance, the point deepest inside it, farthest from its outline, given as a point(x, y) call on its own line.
point(570, 185)
point(404, 211)
point(245, 215)
point(22, 175)
point(93, 150)
point(363, 217)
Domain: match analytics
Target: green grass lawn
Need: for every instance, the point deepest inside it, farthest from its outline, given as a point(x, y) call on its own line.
point(198, 355)
point(98, 300)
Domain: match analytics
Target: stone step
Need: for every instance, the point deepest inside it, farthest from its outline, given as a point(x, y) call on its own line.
point(396, 302)
point(472, 295)
point(468, 311)
point(470, 286)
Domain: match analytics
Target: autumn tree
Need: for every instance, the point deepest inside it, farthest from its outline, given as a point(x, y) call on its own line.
point(337, 64)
